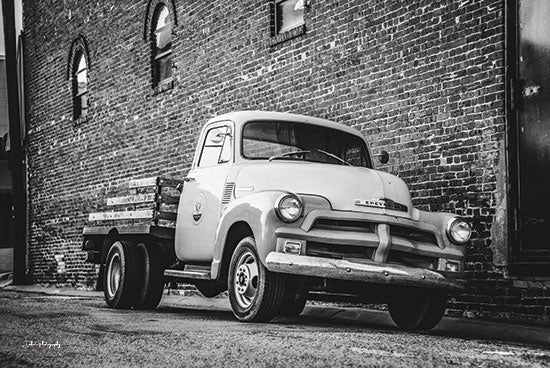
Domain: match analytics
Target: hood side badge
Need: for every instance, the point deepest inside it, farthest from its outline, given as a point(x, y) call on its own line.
point(385, 203)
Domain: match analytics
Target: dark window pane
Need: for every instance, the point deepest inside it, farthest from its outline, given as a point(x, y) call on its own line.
point(84, 104)
point(354, 155)
point(287, 16)
point(264, 139)
point(163, 68)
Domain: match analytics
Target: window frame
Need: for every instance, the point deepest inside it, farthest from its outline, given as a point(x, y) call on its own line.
point(278, 37)
point(155, 56)
point(230, 134)
point(78, 52)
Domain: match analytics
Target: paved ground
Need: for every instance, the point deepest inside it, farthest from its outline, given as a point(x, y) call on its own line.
point(60, 328)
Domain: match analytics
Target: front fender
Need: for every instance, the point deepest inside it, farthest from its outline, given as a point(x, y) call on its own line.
point(258, 211)
point(441, 220)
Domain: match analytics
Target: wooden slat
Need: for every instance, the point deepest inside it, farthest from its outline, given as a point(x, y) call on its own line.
point(169, 182)
point(132, 199)
point(153, 181)
point(140, 183)
point(171, 216)
point(121, 215)
point(166, 199)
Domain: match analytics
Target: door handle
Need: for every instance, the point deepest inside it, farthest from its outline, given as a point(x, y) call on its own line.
point(188, 179)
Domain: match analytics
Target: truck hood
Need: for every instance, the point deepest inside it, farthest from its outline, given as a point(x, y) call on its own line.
point(347, 188)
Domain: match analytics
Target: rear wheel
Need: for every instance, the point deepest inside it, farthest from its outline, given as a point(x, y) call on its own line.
point(255, 293)
point(151, 276)
point(418, 310)
point(119, 282)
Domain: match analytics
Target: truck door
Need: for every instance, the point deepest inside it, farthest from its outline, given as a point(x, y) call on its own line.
point(530, 116)
point(200, 206)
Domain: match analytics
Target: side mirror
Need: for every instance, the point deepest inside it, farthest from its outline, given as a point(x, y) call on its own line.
point(383, 157)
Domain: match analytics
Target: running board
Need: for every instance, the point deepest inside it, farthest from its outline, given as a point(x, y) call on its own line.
point(190, 274)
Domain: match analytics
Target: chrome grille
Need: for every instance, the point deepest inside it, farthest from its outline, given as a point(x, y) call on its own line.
point(409, 233)
point(344, 225)
point(337, 251)
point(413, 234)
point(410, 259)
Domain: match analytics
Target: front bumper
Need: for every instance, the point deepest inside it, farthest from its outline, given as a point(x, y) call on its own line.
point(366, 271)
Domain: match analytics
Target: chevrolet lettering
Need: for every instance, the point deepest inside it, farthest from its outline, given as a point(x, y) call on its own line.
point(382, 203)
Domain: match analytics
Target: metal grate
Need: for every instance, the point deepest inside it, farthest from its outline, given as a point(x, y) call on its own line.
point(413, 234)
point(228, 192)
point(413, 260)
point(344, 225)
point(409, 233)
point(337, 251)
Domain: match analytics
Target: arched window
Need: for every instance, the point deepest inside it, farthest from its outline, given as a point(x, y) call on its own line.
point(161, 34)
point(78, 66)
point(80, 86)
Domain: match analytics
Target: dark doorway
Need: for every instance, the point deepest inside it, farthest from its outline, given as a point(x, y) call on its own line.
point(529, 117)
point(6, 220)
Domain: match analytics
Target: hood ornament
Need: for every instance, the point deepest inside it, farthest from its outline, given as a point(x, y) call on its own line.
point(382, 203)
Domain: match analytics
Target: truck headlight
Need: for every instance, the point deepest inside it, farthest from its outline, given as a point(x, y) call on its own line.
point(289, 208)
point(459, 231)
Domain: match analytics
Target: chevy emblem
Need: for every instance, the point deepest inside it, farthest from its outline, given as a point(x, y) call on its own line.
point(382, 203)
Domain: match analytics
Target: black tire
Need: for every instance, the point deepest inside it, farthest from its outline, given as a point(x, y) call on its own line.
point(209, 289)
point(255, 293)
point(435, 311)
point(294, 300)
point(417, 310)
point(119, 281)
point(150, 276)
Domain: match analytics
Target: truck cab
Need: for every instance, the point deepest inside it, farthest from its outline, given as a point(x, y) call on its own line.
point(280, 208)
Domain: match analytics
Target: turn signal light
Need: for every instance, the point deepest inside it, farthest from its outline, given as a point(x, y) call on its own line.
point(452, 266)
point(292, 247)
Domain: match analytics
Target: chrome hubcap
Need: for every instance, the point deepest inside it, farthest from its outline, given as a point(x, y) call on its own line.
point(246, 279)
point(114, 273)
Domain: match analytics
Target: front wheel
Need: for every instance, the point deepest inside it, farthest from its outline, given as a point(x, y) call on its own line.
point(255, 293)
point(295, 298)
point(208, 288)
point(418, 310)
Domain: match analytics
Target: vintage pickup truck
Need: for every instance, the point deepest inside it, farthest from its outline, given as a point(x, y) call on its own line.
point(278, 208)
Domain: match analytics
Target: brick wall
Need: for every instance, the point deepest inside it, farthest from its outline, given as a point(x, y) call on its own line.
point(423, 80)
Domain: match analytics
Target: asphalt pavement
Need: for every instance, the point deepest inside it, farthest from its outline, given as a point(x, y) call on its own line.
point(449, 326)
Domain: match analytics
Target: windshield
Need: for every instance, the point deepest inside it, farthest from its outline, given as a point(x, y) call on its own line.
point(298, 141)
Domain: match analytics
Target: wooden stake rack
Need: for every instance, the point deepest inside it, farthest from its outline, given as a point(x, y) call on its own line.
point(152, 201)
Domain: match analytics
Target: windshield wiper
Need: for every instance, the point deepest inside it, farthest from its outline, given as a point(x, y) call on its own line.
point(335, 157)
point(288, 154)
point(297, 152)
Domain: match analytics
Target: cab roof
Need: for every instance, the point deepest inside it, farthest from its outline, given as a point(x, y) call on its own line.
point(241, 117)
